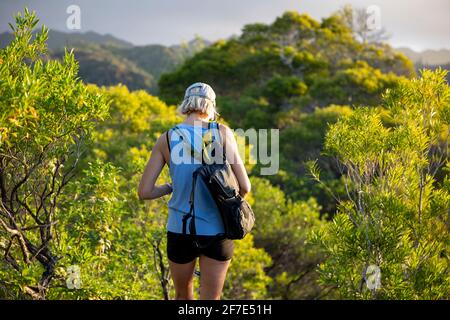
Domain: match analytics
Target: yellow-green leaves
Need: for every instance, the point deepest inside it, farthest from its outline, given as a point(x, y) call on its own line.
point(396, 214)
point(46, 114)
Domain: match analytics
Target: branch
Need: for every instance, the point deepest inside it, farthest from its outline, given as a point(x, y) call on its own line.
point(32, 292)
point(20, 238)
point(163, 273)
point(27, 175)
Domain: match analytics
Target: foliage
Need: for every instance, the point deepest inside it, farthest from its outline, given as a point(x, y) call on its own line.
point(397, 210)
point(46, 114)
point(302, 140)
point(112, 247)
point(282, 229)
point(247, 278)
point(276, 76)
point(295, 51)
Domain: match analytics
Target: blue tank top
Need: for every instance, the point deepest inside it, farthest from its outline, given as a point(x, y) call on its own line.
point(207, 216)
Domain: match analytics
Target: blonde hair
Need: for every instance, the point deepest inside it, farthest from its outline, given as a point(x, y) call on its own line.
point(198, 104)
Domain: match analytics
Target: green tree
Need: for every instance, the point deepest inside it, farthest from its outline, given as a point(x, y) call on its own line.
point(46, 114)
point(294, 62)
point(302, 140)
point(114, 241)
point(247, 277)
point(396, 214)
point(282, 229)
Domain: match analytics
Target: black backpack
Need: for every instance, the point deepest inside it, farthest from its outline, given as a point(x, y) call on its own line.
point(237, 215)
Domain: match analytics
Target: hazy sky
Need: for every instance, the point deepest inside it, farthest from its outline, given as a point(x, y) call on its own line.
point(418, 24)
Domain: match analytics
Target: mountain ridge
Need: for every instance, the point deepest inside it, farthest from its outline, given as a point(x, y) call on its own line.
point(59, 39)
point(107, 60)
point(428, 56)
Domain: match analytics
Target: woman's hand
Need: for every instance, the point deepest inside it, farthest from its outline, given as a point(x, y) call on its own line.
point(169, 188)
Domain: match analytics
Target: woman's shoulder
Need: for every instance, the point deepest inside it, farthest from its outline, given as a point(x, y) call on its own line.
point(224, 129)
point(225, 132)
point(223, 126)
point(161, 140)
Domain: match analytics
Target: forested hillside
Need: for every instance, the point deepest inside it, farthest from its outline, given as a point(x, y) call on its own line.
point(364, 157)
point(98, 65)
point(105, 60)
point(298, 75)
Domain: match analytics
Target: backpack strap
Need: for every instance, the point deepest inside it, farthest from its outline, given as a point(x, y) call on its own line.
point(191, 213)
point(167, 139)
point(218, 136)
point(168, 145)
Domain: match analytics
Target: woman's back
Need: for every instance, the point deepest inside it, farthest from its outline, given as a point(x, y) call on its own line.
point(182, 165)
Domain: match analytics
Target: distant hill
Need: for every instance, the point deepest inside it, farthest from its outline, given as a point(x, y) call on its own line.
point(159, 59)
point(58, 40)
point(428, 57)
point(100, 66)
point(107, 60)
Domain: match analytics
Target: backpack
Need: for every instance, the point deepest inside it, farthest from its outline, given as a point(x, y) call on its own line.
point(236, 213)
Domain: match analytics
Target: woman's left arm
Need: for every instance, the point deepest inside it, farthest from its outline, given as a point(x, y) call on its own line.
point(147, 189)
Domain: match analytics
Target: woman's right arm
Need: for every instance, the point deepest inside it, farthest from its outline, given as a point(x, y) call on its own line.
point(147, 189)
point(233, 156)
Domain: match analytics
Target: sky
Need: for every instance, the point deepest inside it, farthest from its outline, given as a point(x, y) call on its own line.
point(417, 24)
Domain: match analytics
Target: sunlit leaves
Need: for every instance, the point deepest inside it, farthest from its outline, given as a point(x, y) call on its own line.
point(46, 114)
point(396, 215)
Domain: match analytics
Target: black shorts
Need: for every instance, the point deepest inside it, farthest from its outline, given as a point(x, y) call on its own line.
point(181, 248)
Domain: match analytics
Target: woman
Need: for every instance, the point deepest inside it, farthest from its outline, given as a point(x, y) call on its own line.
point(214, 252)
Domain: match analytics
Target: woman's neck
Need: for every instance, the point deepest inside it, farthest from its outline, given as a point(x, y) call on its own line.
point(196, 119)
